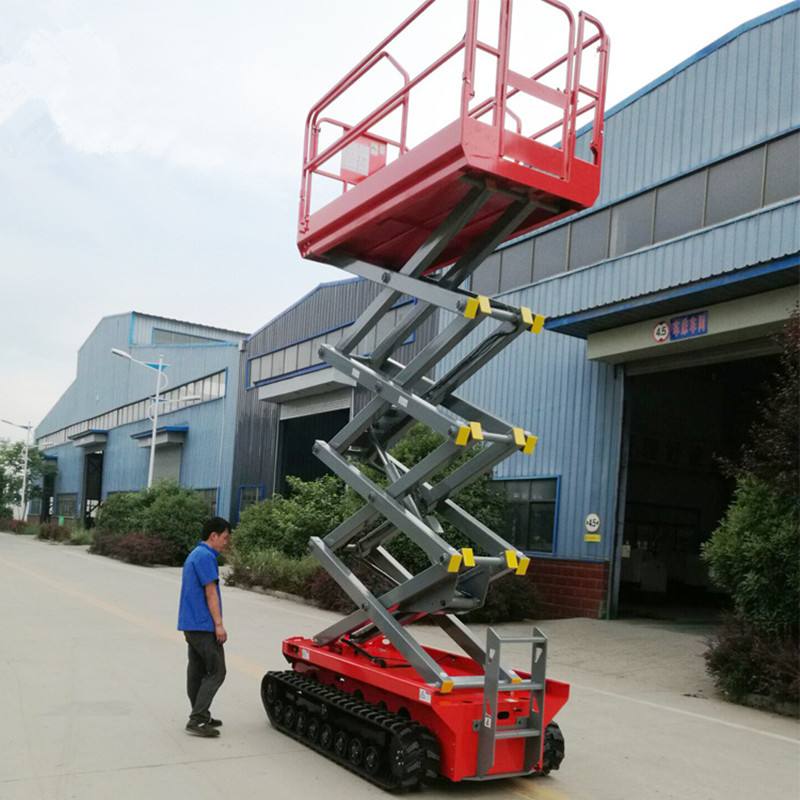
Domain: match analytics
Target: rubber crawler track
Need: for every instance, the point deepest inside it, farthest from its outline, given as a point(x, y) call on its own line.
point(395, 753)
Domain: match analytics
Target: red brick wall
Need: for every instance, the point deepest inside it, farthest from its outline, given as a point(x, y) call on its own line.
point(569, 588)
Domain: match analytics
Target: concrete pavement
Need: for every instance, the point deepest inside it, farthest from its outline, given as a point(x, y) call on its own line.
point(92, 689)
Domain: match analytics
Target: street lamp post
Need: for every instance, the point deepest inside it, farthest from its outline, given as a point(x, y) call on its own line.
point(27, 428)
point(159, 388)
point(155, 424)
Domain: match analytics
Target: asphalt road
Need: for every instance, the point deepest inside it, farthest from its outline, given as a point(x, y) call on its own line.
point(92, 694)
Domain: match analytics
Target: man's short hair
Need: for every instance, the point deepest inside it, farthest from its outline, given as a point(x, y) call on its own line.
point(215, 525)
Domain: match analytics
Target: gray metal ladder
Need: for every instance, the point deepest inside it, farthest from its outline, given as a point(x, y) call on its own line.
point(531, 729)
point(413, 500)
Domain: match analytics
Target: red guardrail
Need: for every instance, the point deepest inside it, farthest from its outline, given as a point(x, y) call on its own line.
point(573, 100)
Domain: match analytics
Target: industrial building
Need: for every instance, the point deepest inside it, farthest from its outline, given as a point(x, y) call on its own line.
point(662, 300)
point(99, 432)
point(289, 397)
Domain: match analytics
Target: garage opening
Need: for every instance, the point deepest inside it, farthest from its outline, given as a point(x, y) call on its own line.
point(92, 486)
point(681, 425)
point(297, 436)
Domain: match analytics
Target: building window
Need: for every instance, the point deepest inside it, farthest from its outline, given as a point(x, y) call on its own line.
point(531, 513)
point(67, 505)
point(679, 206)
point(304, 355)
point(161, 336)
point(277, 362)
point(249, 495)
point(486, 279)
point(517, 266)
point(589, 240)
point(550, 253)
point(783, 169)
point(209, 497)
point(290, 359)
point(208, 388)
point(734, 186)
point(632, 224)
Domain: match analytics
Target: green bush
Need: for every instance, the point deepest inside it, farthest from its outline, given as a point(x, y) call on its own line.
point(169, 514)
point(11, 525)
point(53, 532)
point(122, 512)
point(480, 499)
point(136, 548)
point(509, 599)
point(755, 555)
point(282, 526)
point(81, 536)
point(176, 516)
point(273, 570)
point(745, 660)
point(285, 523)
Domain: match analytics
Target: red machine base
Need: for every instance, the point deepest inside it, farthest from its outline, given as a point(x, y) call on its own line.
point(377, 674)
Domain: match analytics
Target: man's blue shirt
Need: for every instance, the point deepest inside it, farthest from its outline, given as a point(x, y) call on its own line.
point(199, 569)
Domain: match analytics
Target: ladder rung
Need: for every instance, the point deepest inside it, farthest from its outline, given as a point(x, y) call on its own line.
point(516, 733)
point(523, 686)
point(522, 639)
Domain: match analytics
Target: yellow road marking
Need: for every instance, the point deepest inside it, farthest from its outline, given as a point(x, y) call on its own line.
point(533, 789)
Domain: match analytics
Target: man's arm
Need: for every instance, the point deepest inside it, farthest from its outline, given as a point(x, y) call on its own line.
point(216, 613)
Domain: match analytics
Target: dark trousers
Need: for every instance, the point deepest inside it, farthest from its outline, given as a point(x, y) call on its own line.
point(205, 673)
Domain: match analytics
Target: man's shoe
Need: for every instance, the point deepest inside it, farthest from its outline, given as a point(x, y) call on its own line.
point(214, 723)
point(201, 729)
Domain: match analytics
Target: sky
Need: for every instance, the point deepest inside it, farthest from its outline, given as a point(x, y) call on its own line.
point(150, 153)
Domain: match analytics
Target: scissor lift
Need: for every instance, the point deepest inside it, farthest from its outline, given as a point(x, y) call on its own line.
point(364, 692)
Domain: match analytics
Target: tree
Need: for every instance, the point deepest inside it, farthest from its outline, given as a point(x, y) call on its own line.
point(12, 459)
point(772, 453)
point(754, 554)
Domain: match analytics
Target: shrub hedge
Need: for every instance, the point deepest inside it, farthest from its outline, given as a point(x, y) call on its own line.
point(745, 659)
point(159, 525)
point(53, 532)
point(11, 525)
point(754, 554)
point(135, 547)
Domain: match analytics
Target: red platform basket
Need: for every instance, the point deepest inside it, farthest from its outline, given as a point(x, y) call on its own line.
point(393, 195)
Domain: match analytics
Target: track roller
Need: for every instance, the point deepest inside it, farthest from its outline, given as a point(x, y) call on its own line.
point(392, 752)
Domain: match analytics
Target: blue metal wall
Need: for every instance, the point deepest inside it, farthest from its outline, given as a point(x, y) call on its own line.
point(104, 382)
point(739, 91)
point(545, 383)
point(206, 461)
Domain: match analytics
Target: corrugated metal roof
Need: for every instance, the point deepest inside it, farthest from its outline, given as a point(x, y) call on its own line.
point(768, 16)
point(142, 326)
point(754, 238)
point(320, 287)
point(719, 289)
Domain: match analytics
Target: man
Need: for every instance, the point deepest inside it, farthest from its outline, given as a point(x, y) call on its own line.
point(200, 619)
